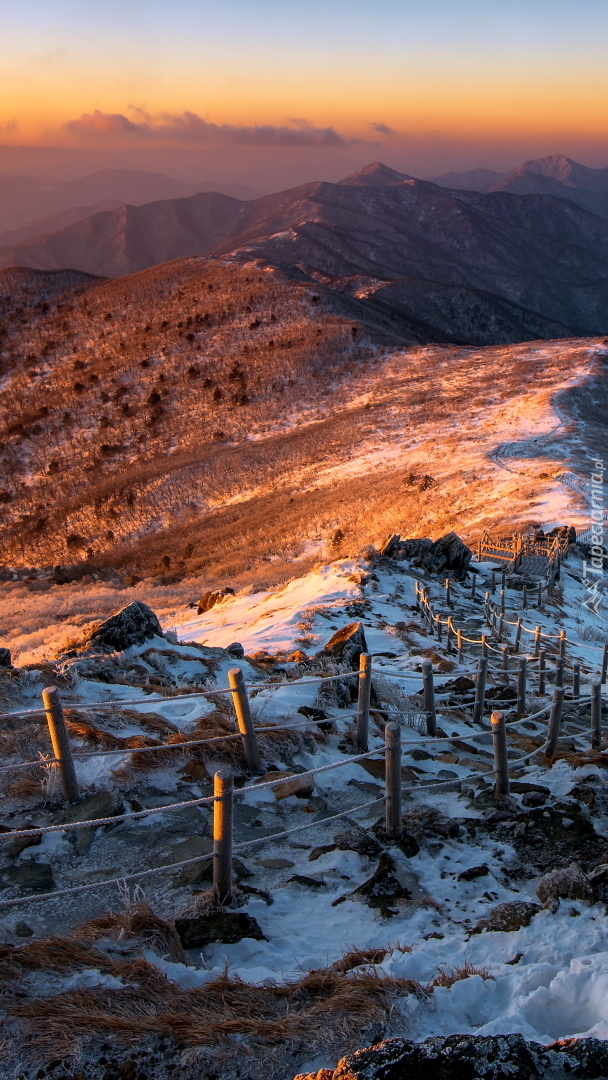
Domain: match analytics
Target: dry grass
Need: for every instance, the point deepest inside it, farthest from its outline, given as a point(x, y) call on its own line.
point(456, 974)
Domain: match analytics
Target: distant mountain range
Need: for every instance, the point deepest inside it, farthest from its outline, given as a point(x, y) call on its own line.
point(556, 175)
point(32, 207)
point(512, 263)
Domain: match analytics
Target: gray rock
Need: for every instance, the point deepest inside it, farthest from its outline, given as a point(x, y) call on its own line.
point(505, 918)
point(567, 884)
point(213, 597)
point(29, 876)
point(102, 805)
point(133, 625)
point(236, 650)
point(5, 658)
point(23, 930)
point(346, 646)
point(472, 1057)
point(226, 926)
point(446, 555)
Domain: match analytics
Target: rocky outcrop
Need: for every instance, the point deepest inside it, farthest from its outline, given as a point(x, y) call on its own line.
point(213, 597)
point(472, 1057)
point(346, 646)
point(448, 555)
point(133, 625)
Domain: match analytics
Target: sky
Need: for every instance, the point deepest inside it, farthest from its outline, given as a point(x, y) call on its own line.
point(265, 92)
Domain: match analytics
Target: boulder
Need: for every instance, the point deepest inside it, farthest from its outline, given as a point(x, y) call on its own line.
point(293, 784)
point(448, 555)
point(5, 658)
point(346, 646)
point(505, 918)
point(472, 1057)
point(102, 805)
point(236, 650)
point(213, 597)
point(567, 884)
point(29, 876)
point(226, 926)
point(133, 625)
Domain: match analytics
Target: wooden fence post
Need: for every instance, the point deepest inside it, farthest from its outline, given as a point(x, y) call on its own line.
point(503, 580)
point(392, 737)
point(450, 634)
point(596, 715)
point(502, 601)
point(223, 787)
point(501, 621)
point(417, 595)
point(448, 592)
point(493, 582)
point(439, 627)
point(480, 690)
point(501, 758)
point(537, 636)
point(505, 662)
point(517, 635)
point(604, 674)
point(429, 697)
point(479, 551)
point(539, 602)
point(576, 680)
point(542, 673)
point(365, 687)
point(521, 686)
point(486, 608)
point(555, 719)
point(562, 643)
point(60, 742)
point(243, 716)
point(460, 647)
point(559, 671)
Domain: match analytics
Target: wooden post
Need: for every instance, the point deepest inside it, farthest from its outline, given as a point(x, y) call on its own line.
point(537, 636)
point(542, 671)
point(555, 719)
point(392, 736)
point(521, 686)
point(505, 662)
point(604, 674)
point(562, 643)
point(501, 759)
point(539, 602)
point(486, 608)
point(223, 786)
point(559, 671)
point(417, 595)
point(243, 716)
point(517, 635)
point(459, 646)
point(450, 634)
point(576, 680)
point(501, 621)
point(473, 585)
point(429, 697)
point(502, 601)
point(493, 583)
point(60, 742)
point(480, 690)
point(484, 645)
point(503, 581)
point(479, 551)
point(365, 687)
point(524, 597)
point(596, 715)
point(448, 592)
point(439, 627)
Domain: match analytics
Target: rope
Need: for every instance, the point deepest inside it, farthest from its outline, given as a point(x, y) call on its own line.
point(184, 862)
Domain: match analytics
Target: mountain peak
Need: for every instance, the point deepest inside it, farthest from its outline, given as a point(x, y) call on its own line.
point(566, 171)
point(377, 175)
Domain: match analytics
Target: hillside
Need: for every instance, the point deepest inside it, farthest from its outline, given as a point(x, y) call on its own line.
point(213, 419)
point(458, 266)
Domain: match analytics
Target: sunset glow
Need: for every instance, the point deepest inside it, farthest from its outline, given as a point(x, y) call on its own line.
point(391, 80)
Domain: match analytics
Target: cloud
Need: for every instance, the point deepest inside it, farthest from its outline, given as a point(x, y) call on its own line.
point(189, 127)
point(383, 129)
